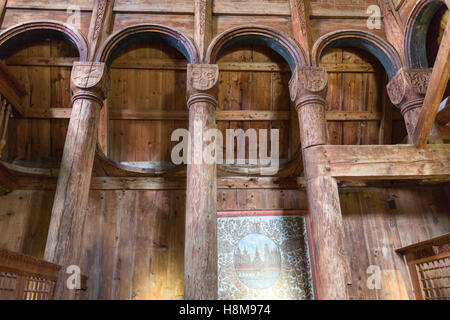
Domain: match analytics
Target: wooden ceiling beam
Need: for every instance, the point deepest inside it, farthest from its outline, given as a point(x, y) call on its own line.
point(435, 93)
point(396, 162)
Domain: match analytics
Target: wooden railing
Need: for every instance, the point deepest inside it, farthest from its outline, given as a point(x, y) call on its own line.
point(429, 266)
point(26, 278)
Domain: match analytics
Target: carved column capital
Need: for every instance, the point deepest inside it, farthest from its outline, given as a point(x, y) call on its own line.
point(202, 80)
point(308, 85)
point(408, 88)
point(89, 80)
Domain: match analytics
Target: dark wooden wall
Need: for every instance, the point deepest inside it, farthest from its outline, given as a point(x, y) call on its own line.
point(134, 240)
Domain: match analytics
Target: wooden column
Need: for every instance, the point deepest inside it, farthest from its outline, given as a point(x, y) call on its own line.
point(200, 261)
point(407, 91)
point(88, 83)
point(308, 89)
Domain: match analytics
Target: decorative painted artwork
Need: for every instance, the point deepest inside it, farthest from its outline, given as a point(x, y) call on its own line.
point(263, 257)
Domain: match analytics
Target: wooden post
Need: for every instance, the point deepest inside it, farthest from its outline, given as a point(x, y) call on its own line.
point(407, 91)
point(200, 262)
point(308, 88)
point(203, 25)
point(88, 83)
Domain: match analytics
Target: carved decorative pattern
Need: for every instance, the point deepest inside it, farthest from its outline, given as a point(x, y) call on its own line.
point(397, 89)
point(307, 80)
point(300, 5)
point(99, 19)
point(419, 79)
point(202, 4)
point(203, 77)
point(408, 85)
point(87, 75)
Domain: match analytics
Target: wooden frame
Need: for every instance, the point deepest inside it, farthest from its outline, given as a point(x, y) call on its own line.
point(280, 212)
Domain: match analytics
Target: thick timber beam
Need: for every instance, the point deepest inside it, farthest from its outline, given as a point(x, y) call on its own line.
point(88, 82)
point(200, 255)
point(435, 93)
point(308, 88)
point(397, 162)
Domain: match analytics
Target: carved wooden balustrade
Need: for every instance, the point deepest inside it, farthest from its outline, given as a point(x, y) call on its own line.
point(26, 278)
point(429, 267)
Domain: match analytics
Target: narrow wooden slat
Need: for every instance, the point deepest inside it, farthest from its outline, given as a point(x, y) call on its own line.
point(180, 64)
point(238, 115)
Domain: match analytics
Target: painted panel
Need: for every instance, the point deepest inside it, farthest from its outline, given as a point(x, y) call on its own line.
point(263, 257)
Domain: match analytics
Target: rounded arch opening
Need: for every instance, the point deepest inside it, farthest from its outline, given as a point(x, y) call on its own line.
point(417, 31)
point(259, 36)
point(384, 52)
point(38, 55)
point(28, 32)
point(146, 33)
point(148, 72)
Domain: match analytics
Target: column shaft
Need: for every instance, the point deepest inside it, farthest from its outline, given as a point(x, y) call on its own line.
point(308, 90)
point(71, 198)
point(200, 269)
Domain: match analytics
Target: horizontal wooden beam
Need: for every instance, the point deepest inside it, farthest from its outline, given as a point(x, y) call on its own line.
point(186, 7)
point(223, 183)
point(180, 64)
point(238, 115)
point(156, 183)
point(395, 162)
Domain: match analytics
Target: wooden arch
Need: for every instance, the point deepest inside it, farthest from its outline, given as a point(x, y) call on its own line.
point(416, 32)
point(153, 32)
point(29, 31)
point(275, 40)
point(383, 51)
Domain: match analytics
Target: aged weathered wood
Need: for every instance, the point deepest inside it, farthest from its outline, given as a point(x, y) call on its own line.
point(100, 24)
point(7, 180)
point(328, 238)
point(435, 93)
point(308, 89)
point(200, 268)
point(301, 25)
point(5, 113)
point(407, 91)
point(203, 27)
point(35, 279)
point(378, 162)
point(393, 25)
point(11, 89)
point(89, 83)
